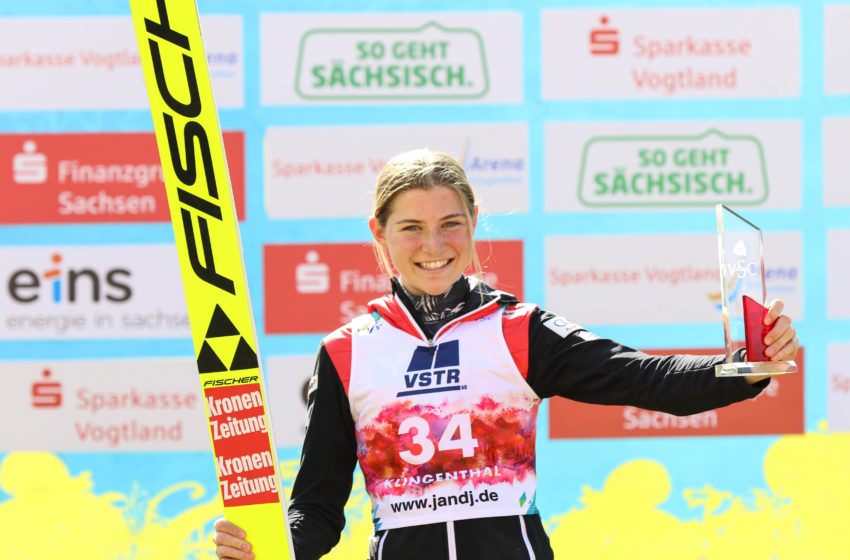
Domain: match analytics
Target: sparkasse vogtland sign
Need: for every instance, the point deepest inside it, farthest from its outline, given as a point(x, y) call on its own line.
point(729, 52)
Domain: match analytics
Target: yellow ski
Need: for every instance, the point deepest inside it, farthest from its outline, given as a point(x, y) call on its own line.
point(210, 253)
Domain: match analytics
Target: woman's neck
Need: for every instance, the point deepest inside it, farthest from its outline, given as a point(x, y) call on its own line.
point(434, 311)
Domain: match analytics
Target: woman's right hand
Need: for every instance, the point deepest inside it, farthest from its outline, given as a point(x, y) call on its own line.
point(230, 542)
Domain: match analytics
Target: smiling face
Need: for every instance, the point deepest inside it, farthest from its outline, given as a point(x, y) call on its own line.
point(428, 235)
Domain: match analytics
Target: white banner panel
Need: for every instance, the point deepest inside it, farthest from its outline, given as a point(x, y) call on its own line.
point(605, 166)
point(109, 405)
point(327, 172)
point(671, 53)
point(288, 378)
point(836, 48)
point(391, 58)
point(60, 63)
point(104, 291)
point(838, 272)
point(836, 164)
point(838, 397)
point(637, 279)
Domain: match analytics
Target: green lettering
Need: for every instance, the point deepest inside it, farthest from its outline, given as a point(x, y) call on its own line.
point(337, 76)
point(318, 74)
point(735, 182)
point(599, 179)
point(656, 182)
point(619, 184)
point(455, 76)
point(673, 179)
point(700, 178)
point(420, 72)
point(375, 75)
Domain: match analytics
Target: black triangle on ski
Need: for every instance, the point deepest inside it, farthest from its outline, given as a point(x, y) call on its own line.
point(244, 357)
point(220, 324)
point(208, 360)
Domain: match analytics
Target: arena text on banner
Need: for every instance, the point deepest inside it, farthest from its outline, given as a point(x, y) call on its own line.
point(207, 237)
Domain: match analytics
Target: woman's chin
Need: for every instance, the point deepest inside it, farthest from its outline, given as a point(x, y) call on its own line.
point(430, 286)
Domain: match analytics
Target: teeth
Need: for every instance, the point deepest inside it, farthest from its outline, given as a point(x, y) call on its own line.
point(434, 265)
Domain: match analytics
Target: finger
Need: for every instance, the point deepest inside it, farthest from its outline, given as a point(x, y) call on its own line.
point(774, 311)
point(778, 330)
point(228, 540)
point(789, 352)
point(228, 553)
point(224, 526)
point(779, 336)
point(785, 348)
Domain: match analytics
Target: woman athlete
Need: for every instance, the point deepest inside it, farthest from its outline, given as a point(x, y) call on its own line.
point(435, 391)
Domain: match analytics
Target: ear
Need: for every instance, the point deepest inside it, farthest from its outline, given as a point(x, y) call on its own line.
point(475, 219)
point(378, 231)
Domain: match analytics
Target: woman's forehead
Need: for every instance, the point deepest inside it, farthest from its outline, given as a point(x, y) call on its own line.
point(421, 203)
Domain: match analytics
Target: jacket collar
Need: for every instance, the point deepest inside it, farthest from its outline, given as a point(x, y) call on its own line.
point(482, 300)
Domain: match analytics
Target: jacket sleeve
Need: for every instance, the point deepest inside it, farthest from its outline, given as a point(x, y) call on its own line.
point(328, 458)
point(568, 361)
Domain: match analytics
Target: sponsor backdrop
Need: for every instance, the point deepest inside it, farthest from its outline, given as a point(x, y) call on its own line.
point(598, 140)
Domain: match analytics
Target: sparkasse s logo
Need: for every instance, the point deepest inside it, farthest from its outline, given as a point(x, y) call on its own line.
point(433, 370)
point(604, 40)
point(46, 394)
point(60, 284)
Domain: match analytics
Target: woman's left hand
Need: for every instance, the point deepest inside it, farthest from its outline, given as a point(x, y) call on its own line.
point(782, 342)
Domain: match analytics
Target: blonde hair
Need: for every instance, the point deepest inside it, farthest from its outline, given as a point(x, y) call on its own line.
point(421, 169)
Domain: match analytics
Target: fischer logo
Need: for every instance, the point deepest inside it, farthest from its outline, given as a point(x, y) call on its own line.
point(433, 370)
point(46, 394)
point(69, 285)
point(231, 381)
point(604, 40)
point(194, 208)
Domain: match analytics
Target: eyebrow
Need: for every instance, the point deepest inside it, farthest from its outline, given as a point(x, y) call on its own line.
point(415, 221)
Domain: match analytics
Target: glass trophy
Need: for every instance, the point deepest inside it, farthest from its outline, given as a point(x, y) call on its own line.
point(742, 297)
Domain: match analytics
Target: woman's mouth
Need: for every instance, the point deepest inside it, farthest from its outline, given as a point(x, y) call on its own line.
point(434, 265)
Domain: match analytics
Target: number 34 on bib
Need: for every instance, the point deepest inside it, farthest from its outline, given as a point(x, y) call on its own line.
point(457, 436)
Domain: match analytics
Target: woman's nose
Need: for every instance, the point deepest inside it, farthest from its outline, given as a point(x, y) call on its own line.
point(434, 241)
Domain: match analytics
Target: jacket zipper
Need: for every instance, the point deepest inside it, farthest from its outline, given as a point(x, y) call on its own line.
point(430, 341)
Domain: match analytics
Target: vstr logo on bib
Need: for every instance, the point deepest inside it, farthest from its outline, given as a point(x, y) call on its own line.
point(433, 370)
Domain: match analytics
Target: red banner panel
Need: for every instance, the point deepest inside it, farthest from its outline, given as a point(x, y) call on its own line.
point(315, 288)
point(97, 177)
